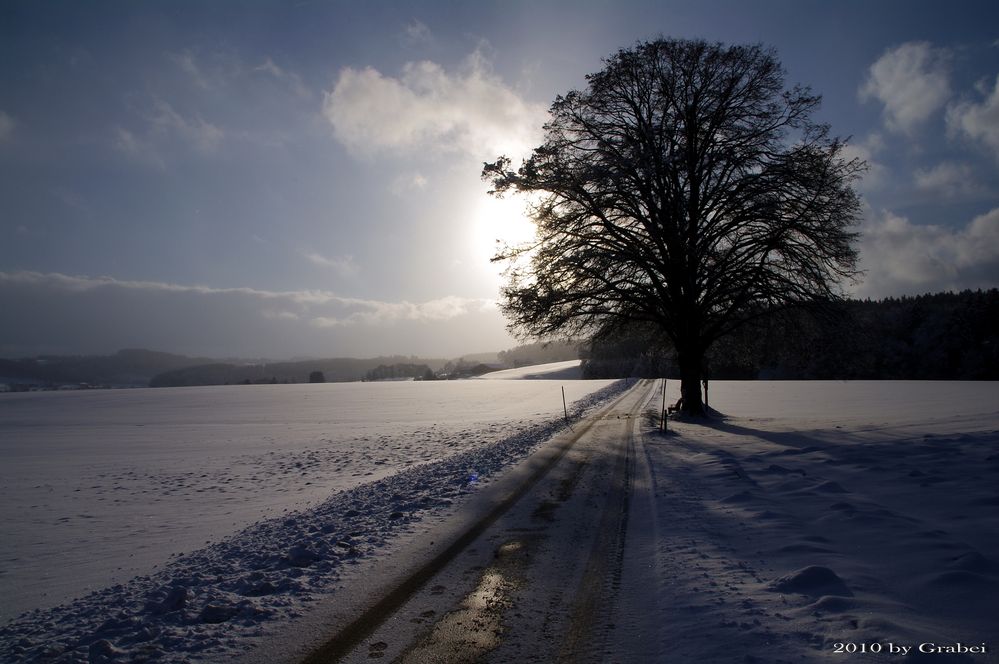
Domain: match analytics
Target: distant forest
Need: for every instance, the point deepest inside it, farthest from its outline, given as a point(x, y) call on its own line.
point(129, 367)
point(140, 368)
point(946, 336)
point(335, 370)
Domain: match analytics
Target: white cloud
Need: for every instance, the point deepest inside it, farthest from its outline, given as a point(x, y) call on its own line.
point(409, 182)
point(164, 127)
point(342, 265)
point(417, 33)
point(279, 315)
point(312, 302)
point(6, 126)
point(441, 309)
point(66, 313)
point(876, 175)
point(978, 121)
point(129, 144)
point(203, 135)
point(189, 65)
point(912, 81)
point(905, 258)
point(430, 109)
point(125, 141)
point(73, 200)
point(949, 179)
point(289, 78)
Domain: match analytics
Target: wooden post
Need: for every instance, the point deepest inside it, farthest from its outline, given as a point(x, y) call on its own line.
point(564, 408)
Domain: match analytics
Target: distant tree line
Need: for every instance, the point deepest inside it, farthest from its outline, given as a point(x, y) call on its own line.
point(126, 368)
point(400, 370)
point(333, 370)
point(462, 368)
point(944, 336)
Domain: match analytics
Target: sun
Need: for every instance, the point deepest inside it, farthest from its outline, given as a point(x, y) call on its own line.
point(502, 220)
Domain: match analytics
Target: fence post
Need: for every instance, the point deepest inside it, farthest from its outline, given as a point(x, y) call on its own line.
point(663, 424)
point(564, 408)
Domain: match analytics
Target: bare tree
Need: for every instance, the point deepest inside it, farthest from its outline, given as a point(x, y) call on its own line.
point(685, 187)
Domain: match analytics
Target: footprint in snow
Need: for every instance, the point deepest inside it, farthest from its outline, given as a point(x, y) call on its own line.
point(814, 580)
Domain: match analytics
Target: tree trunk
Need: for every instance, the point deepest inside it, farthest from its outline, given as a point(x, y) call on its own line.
point(690, 361)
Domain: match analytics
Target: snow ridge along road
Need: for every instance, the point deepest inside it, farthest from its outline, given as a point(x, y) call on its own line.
point(533, 579)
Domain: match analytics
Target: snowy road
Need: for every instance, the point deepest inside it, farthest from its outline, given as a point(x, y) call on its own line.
point(538, 575)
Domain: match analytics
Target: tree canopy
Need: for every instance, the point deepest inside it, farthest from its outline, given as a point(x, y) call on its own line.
point(686, 187)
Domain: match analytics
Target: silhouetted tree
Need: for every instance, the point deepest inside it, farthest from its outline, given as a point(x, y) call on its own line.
point(684, 187)
point(317, 377)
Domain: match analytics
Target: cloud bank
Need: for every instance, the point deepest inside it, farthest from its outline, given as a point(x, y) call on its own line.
point(57, 313)
point(978, 121)
point(948, 179)
point(902, 258)
point(428, 108)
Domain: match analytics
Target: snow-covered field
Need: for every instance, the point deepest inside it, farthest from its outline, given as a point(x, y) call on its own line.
point(827, 521)
point(129, 494)
point(806, 515)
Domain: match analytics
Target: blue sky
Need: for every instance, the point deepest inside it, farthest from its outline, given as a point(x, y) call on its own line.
point(269, 179)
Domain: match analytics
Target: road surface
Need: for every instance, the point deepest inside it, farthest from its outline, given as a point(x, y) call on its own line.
point(552, 573)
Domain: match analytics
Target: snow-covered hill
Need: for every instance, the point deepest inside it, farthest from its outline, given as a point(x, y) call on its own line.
point(569, 370)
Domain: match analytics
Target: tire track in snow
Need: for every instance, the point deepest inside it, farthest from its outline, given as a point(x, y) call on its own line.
point(585, 636)
point(545, 603)
point(347, 639)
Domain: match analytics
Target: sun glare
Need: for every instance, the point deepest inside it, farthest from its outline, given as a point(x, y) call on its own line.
point(500, 219)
